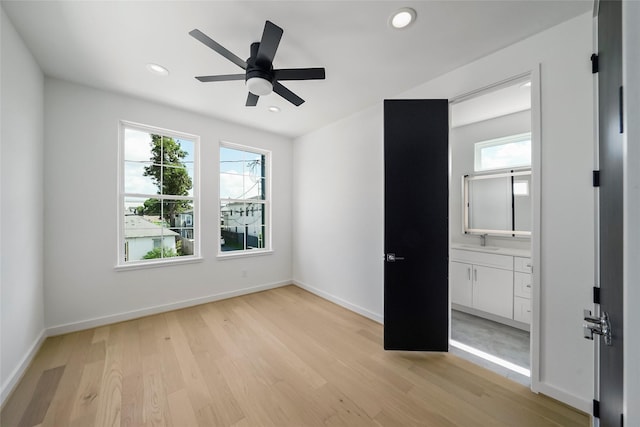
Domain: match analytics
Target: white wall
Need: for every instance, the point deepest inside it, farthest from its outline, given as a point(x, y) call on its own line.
point(631, 71)
point(461, 143)
point(338, 213)
point(82, 288)
point(21, 293)
point(338, 199)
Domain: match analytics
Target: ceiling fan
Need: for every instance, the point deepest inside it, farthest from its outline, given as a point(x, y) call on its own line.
point(260, 77)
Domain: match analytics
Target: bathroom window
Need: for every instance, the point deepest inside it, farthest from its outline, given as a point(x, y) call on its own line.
point(503, 153)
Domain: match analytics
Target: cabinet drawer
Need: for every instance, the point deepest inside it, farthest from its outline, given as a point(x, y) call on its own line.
point(522, 284)
point(522, 309)
point(522, 264)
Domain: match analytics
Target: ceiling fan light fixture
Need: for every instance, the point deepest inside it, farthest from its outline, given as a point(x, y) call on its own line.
point(157, 69)
point(402, 18)
point(259, 86)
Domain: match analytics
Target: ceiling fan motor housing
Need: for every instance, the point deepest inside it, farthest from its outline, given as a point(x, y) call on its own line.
point(257, 68)
point(259, 76)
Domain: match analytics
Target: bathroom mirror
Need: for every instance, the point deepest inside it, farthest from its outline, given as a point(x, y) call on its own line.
point(498, 204)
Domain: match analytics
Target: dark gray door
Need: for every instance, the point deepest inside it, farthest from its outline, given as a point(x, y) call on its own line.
point(611, 209)
point(416, 242)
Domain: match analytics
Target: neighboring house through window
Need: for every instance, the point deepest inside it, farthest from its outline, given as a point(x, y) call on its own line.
point(158, 195)
point(244, 199)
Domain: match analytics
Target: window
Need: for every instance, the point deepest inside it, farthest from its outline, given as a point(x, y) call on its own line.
point(244, 199)
point(503, 153)
point(158, 195)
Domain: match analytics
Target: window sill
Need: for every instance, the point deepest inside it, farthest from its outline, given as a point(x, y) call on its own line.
point(243, 254)
point(155, 264)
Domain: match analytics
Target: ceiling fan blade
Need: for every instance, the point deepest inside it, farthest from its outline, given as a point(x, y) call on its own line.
point(252, 100)
point(269, 43)
point(221, 78)
point(199, 35)
point(287, 94)
point(300, 74)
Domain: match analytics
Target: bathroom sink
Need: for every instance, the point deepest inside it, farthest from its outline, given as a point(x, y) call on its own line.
point(480, 248)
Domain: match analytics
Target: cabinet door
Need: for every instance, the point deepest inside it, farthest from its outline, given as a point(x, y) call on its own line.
point(460, 283)
point(493, 290)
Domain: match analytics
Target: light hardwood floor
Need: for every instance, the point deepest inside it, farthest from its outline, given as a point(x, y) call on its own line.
point(282, 357)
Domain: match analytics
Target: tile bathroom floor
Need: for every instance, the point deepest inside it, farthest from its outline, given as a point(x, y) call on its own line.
point(505, 342)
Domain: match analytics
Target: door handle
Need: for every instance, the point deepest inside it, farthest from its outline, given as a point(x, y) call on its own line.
point(469, 273)
point(475, 274)
point(394, 258)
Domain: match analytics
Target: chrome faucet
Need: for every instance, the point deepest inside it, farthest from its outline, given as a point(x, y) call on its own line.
point(483, 240)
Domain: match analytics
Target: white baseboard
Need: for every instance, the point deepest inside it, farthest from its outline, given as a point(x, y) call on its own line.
point(563, 396)
point(135, 314)
point(18, 372)
point(376, 317)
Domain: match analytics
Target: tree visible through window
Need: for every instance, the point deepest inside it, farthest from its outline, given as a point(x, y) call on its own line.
point(157, 194)
point(244, 202)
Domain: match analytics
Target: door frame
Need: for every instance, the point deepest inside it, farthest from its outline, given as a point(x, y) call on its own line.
point(536, 180)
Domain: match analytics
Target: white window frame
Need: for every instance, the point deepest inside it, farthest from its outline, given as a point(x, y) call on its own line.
point(479, 146)
point(267, 202)
point(135, 264)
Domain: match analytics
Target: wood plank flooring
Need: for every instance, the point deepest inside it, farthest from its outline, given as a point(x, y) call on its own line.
point(282, 357)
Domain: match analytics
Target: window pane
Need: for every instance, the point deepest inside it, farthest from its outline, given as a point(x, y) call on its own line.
point(231, 160)
point(232, 227)
point(188, 161)
point(241, 174)
point(506, 155)
point(231, 186)
point(137, 145)
point(135, 180)
point(146, 236)
point(176, 180)
point(178, 215)
point(503, 153)
point(254, 225)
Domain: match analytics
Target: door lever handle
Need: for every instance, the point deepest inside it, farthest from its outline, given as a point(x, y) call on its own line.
point(394, 258)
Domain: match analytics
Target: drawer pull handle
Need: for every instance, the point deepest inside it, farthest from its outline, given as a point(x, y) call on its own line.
point(529, 265)
point(529, 286)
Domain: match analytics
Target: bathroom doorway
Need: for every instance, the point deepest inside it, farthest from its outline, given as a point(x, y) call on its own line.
point(494, 141)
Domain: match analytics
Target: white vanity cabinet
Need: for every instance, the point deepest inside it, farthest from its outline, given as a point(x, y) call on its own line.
point(461, 283)
point(482, 281)
point(492, 285)
point(522, 289)
point(493, 290)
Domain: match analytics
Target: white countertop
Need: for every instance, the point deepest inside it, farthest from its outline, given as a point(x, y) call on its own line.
point(492, 250)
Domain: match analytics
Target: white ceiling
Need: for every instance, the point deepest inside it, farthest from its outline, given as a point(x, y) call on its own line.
point(106, 44)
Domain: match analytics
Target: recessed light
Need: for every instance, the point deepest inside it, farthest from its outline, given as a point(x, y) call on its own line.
point(402, 18)
point(274, 109)
point(157, 69)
